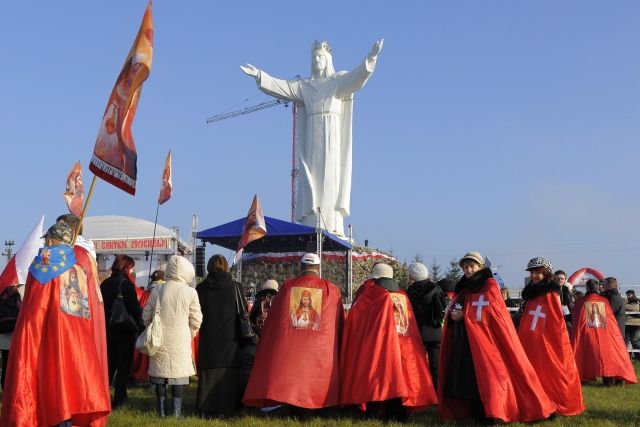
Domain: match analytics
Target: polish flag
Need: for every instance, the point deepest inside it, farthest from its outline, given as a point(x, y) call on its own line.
point(17, 269)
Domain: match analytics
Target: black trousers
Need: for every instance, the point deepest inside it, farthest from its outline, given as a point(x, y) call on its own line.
point(433, 351)
point(120, 354)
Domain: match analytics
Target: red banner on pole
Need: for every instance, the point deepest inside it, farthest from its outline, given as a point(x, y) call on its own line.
point(74, 193)
point(114, 155)
point(254, 228)
point(167, 185)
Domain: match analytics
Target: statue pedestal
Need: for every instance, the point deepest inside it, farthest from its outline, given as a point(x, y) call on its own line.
point(281, 266)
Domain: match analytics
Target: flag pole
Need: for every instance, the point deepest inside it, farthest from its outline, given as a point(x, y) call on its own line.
point(153, 240)
point(76, 232)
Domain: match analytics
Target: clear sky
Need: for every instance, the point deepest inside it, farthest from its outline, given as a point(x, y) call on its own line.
point(507, 127)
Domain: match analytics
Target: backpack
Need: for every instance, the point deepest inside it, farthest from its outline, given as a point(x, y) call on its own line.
point(439, 303)
point(10, 303)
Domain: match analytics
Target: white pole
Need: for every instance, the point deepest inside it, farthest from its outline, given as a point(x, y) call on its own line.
point(319, 239)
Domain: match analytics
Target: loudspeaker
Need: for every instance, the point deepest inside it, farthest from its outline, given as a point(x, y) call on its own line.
point(200, 270)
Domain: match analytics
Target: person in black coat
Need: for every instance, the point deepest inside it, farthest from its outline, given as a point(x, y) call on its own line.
point(611, 292)
point(261, 304)
point(224, 359)
point(121, 341)
point(429, 302)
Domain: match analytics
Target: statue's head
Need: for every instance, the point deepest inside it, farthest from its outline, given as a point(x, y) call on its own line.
point(321, 60)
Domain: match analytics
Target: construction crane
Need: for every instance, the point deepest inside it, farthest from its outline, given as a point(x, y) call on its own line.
point(264, 106)
point(252, 109)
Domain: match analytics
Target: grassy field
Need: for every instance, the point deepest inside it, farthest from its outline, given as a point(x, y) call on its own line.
point(613, 406)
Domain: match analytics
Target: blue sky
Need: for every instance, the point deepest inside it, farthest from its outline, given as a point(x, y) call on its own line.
point(505, 127)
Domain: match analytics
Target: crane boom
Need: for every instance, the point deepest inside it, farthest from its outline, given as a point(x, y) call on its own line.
point(252, 109)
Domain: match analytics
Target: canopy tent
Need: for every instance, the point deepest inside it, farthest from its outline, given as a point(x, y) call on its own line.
point(282, 236)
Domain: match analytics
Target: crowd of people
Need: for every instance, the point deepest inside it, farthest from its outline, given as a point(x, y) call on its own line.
point(465, 346)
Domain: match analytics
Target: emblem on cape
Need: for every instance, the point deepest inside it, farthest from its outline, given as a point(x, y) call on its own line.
point(51, 262)
point(74, 295)
point(399, 304)
point(305, 306)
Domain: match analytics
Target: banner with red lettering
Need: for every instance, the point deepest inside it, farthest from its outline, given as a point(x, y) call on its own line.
point(167, 185)
point(114, 155)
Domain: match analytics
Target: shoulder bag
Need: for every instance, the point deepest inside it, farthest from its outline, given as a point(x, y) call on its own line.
point(120, 318)
point(150, 339)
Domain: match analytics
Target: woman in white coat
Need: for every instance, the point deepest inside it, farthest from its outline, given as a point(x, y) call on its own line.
point(181, 318)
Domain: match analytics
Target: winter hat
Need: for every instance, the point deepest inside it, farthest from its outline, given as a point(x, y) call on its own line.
point(60, 231)
point(269, 284)
point(418, 271)
point(539, 262)
point(380, 269)
point(310, 259)
point(472, 256)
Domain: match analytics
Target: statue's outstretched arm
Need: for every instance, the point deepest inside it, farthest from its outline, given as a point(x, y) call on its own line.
point(249, 70)
point(375, 50)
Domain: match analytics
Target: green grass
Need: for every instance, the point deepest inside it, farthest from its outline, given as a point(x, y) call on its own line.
point(606, 406)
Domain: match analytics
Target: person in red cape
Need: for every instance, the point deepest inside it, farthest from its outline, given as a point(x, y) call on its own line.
point(484, 371)
point(86, 257)
point(544, 336)
point(383, 364)
point(55, 374)
point(297, 360)
point(598, 346)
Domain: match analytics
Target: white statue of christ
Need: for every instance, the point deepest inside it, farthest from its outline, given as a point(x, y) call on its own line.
point(323, 128)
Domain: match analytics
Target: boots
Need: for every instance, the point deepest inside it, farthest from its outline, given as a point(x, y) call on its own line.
point(160, 401)
point(177, 407)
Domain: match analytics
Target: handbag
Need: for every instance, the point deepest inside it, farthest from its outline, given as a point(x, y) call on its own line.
point(120, 318)
point(150, 339)
point(244, 324)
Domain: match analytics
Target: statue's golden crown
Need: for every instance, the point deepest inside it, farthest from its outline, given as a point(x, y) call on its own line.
point(318, 45)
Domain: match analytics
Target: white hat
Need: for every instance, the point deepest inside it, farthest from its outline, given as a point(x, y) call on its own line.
point(381, 269)
point(310, 259)
point(269, 284)
point(418, 271)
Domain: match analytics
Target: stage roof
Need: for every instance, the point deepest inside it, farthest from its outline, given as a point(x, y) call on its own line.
point(282, 236)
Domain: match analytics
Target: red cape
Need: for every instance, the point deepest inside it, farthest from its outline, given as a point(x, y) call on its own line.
point(547, 345)
point(140, 365)
point(381, 359)
point(88, 263)
point(599, 351)
point(509, 387)
point(295, 365)
point(54, 371)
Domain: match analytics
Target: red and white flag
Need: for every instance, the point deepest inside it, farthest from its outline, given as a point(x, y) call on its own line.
point(74, 194)
point(254, 228)
point(18, 267)
point(167, 185)
point(114, 155)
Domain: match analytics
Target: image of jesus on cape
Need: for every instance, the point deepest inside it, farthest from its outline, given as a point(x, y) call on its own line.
point(305, 316)
point(323, 132)
point(594, 310)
